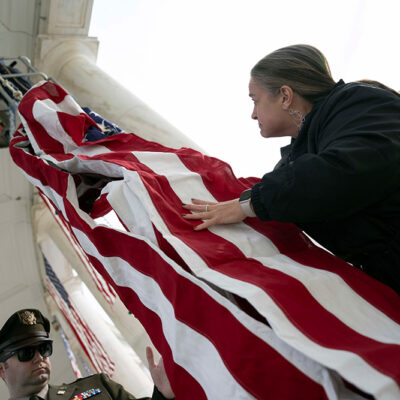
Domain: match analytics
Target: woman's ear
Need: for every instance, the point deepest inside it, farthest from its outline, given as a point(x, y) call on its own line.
point(287, 96)
point(2, 375)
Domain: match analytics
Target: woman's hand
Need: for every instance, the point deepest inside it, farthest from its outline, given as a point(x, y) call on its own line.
point(227, 212)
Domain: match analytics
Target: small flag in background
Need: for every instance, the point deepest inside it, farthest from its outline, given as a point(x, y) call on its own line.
point(71, 355)
point(89, 342)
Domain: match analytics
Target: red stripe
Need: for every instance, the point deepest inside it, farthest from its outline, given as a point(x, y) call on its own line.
point(100, 207)
point(38, 169)
point(43, 140)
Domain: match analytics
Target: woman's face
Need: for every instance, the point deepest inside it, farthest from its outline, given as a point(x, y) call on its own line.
point(273, 119)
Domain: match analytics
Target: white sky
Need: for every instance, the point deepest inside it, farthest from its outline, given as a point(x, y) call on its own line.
point(190, 60)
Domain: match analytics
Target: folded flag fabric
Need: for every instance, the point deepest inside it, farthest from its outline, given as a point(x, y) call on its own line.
point(242, 311)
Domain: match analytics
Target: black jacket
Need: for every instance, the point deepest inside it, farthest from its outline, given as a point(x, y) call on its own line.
point(339, 180)
point(109, 390)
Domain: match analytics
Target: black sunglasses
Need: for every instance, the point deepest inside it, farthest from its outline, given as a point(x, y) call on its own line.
point(27, 353)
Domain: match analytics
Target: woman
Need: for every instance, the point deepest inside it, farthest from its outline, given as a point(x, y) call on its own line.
point(339, 179)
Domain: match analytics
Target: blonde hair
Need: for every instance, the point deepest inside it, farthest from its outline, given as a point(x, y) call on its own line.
point(302, 67)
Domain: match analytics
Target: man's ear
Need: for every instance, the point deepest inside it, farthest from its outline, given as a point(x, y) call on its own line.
point(287, 96)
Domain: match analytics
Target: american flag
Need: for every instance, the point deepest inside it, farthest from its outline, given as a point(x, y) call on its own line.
point(102, 285)
point(243, 311)
point(90, 344)
point(70, 353)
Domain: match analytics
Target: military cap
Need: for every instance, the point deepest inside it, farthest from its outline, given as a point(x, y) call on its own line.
point(23, 328)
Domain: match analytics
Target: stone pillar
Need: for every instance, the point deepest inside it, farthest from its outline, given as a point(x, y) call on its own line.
point(65, 53)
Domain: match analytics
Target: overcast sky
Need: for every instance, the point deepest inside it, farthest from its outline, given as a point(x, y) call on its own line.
point(190, 60)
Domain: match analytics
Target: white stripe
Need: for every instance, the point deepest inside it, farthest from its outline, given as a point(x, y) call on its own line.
point(138, 222)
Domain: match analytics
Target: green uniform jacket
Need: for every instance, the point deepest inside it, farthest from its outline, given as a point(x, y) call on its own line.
point(110, 390)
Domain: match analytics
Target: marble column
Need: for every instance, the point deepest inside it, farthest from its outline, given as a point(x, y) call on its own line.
point(65, 53)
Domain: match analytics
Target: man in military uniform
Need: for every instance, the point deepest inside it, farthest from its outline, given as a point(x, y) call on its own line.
point(25, 348)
